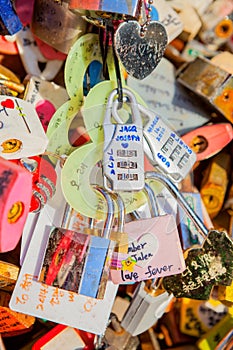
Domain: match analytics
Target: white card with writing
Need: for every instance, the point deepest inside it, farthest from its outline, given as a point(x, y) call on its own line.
point(61, 306)
point(169, 99)
point(21, 132)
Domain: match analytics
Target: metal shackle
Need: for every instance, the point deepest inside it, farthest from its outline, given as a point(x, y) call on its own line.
point(121, 210)
point(154, 210)
point(180, 200)
point(110, 211)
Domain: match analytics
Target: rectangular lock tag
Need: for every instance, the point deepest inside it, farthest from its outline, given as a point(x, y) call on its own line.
point(165, 149)
point(154, 251)
point(123, 159)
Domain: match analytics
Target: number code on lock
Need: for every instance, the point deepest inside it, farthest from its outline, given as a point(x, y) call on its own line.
point(123, 157)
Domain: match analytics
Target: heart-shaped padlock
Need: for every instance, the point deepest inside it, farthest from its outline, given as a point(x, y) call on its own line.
point(140, 54)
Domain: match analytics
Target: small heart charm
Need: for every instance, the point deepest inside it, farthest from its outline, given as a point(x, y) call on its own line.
point(8, 103)
point(140, 55)
point(125, 145)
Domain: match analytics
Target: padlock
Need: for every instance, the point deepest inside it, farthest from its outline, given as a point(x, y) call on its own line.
point(148, 254)
point(209, 81)
point(217, 25)
point(211, 339)
point(10, 84)
point(165, 149)
point(209, 140)
point(115, 337)
point(43, 180)
point(15, 192)
point(190, 19)
point(197, 317)
point(33, 297)
point(21, 132)
point(76, 261)
point(207, 266)
point(11, 322)
point(8, 276)
point(9, 21)
point(225, 217)
point(147, 306)
point(225, 295)
point(215, 182)
point(56, 25)
point(123, 160)
point(129, 9)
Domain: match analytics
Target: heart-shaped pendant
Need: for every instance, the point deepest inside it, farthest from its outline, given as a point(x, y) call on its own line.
point(139, 54)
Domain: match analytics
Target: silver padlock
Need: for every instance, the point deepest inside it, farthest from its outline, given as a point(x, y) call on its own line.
point(123, 159)
point(166, 151)
point(145, 309)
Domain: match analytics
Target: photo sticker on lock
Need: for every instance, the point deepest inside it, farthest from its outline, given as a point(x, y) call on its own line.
point(64, 259)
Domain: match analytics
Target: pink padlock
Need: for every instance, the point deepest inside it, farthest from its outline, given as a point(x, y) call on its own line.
point(154, 248)
point(15, 198)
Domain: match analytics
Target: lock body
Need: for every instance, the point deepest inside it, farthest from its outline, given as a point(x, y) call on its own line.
point(145, 309)
point(56, 25)
point(129, 9)
point(166, 151)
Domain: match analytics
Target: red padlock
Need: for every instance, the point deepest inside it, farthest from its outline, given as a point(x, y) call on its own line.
point(44, 179)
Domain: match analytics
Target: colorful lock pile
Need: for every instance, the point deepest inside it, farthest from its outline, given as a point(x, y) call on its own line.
point(116, 170)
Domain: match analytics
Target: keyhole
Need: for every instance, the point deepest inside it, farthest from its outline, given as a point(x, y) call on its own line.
point(199, 144)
